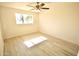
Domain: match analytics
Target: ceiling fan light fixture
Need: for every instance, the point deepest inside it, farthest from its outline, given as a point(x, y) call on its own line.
point(36, 10)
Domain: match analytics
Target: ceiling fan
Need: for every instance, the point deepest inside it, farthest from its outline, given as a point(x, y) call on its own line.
point(38, 7)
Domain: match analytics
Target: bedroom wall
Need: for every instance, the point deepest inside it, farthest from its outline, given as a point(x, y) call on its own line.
point(1, 41)
point(10, 28)
point(62, 21)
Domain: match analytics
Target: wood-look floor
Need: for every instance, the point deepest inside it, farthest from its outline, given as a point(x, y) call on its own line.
point(51, 47)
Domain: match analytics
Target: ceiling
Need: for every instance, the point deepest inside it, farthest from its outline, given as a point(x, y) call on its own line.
point(52, 5)
point(19, 5)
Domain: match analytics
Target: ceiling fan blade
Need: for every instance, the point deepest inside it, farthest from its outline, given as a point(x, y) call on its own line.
point(44, 8)
point(42, 4)
point(37, 3)
point(29, 6)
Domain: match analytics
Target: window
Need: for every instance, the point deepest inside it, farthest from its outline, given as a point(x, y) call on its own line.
point(24, 18)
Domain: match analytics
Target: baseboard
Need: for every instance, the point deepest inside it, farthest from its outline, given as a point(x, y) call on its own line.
point(20, 35)
point(61, 39)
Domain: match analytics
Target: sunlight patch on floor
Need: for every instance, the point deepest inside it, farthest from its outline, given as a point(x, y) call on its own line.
point(34, 41)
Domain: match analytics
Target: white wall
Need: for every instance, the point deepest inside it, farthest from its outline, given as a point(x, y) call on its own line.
point(1, 41)
point(61, 21)
point(10, 28)
point(1, 44)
